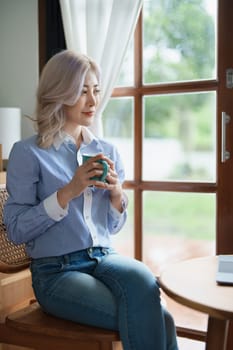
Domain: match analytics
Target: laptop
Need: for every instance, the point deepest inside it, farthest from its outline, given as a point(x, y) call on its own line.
point(224, 274)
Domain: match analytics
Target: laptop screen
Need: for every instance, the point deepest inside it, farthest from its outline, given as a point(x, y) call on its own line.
point(225, 270)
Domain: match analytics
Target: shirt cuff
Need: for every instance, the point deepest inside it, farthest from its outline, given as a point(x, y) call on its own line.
point(53, 209)
point(124, 204)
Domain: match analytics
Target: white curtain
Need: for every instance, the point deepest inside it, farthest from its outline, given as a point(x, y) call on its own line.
point(101, 29)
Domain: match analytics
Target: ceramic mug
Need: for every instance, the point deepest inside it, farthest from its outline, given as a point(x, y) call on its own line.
point(101, 161)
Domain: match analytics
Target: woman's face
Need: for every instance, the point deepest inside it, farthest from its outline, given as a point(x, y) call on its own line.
point(83, 111)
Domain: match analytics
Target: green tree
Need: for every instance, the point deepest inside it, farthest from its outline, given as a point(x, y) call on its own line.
point(179, 41)
point(180, 38)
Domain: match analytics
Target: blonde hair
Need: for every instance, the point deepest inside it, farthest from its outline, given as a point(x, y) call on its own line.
point(60, 84)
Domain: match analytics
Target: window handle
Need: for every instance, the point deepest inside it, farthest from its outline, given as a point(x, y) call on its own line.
point(229, 78)
point(225, 155)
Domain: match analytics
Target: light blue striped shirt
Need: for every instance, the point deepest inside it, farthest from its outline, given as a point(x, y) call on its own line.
point(32, 214)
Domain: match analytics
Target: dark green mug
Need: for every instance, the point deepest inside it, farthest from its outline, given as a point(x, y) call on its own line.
point(101, 161)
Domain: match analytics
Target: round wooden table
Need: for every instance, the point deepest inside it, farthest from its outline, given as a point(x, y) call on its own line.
point(193, 283)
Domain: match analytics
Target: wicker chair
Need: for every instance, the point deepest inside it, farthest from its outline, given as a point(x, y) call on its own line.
point(30, 326)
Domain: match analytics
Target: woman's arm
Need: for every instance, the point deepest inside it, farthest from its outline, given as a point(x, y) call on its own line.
point(25, 214)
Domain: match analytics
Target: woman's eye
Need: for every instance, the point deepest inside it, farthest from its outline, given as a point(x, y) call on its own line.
point(95, 92)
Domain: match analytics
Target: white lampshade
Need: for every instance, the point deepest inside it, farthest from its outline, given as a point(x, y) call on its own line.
point(10, 128)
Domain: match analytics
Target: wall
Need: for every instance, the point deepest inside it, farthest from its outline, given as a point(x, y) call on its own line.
point(19, 57)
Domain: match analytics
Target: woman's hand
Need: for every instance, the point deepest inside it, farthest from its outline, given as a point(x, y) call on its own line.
point(114, 186)
point(81, 180)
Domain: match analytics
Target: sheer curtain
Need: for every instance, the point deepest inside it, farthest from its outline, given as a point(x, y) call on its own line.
point(101, 29)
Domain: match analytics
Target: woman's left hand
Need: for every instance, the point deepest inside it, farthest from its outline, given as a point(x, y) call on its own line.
point(113, 185)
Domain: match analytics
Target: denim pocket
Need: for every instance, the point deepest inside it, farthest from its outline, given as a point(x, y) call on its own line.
point(44, 271)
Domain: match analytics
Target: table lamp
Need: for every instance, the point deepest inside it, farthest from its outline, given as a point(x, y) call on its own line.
point(10, 132)
point(1, 165)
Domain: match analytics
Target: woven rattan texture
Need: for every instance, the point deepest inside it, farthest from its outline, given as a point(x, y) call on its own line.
point(10, 253)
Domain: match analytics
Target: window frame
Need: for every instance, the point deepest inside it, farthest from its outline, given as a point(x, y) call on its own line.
point(137, 92)
point(224, 171)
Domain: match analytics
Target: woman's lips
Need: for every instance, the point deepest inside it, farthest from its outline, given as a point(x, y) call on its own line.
point(89, 114)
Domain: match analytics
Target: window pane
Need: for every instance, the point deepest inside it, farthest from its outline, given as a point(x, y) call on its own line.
point(179, 40)
point(180, 137)
point(123, 241)
point(118, 129)
point(178, 226)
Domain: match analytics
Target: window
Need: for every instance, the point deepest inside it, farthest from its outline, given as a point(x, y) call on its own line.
point(164, 117)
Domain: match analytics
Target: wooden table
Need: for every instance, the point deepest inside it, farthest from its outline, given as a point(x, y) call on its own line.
point(192, 283)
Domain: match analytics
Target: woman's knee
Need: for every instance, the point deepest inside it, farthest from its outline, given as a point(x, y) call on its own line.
point(130, 274)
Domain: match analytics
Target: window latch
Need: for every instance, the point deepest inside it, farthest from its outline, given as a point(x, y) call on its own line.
point(225, 155)
point(229, 78)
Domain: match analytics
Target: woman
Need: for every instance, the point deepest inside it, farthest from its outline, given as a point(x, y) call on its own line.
point(66, 218)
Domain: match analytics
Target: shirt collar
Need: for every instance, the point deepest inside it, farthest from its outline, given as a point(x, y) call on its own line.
point(63, 136)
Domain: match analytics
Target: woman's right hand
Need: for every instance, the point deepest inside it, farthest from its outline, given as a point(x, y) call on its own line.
point(81, 180)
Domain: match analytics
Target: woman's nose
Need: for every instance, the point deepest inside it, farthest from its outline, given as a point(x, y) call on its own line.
point(91, 99)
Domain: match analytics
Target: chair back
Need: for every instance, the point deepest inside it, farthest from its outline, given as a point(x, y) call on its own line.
point(13, 257)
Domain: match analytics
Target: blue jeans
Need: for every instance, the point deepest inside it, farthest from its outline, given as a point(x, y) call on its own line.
point(99, 287)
